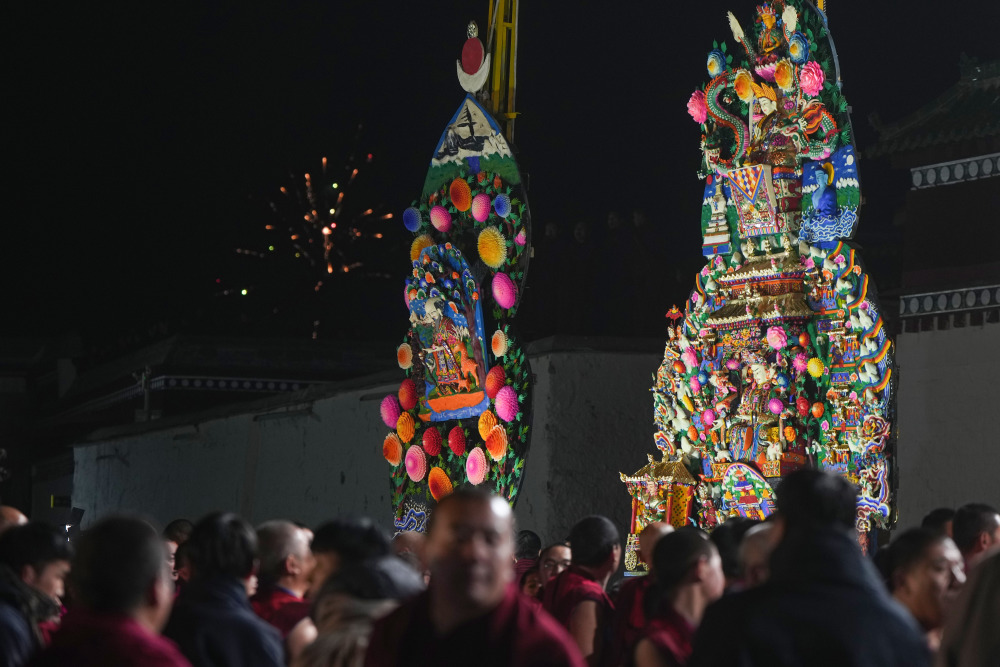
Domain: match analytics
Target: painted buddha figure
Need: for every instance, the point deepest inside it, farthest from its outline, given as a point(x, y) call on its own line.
point(824, 197)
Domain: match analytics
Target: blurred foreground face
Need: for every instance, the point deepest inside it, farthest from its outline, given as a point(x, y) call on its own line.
point(554, 560)
point(714, 579)
point(928, 587)
point(470, 549)
point(51, 579)
point(324, 564)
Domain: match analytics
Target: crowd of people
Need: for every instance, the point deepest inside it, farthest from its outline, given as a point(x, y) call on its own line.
point(472, 590)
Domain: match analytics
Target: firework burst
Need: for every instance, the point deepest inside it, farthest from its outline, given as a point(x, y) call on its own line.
point(320, 229)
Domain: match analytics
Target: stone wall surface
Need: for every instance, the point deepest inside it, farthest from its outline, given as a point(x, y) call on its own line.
point(948, 398)
point(312, 455)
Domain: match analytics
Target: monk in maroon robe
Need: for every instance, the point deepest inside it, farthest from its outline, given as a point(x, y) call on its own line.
point(630, 613)
point(576, 598)
point(472, 613)
point(286, 565)
point(689, 577)
point(125, 593)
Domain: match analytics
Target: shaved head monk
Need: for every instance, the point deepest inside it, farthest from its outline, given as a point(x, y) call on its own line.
point(630, 611)
point(471, 612)
point(577, 597)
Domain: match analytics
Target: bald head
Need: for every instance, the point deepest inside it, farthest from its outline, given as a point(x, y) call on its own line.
point(285, 558)
point(648, 538)
point(11, 516)
point(755, 553)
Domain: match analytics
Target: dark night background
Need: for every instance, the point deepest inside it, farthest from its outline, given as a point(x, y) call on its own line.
point(143, 141)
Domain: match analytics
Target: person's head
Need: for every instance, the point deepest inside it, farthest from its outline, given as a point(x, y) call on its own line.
point(182, 563)
point(755, 553)
point(554, 559)
point(470, 544)
point(531, 582)
point(40, 555)
point(528, 545)
point(342, 541)
point(285, 557)
point(970, 635)
point(11, 516)
point(596, 544)
point(649, 536)
point(975, 528)
point(939, 520)
point(178, 531)
point(175, 534)
point(923, 570)
point(223, 545)
point(120, 569)
point(727, 538)
point(686, 562)
point(813, 499)
point(348, 603)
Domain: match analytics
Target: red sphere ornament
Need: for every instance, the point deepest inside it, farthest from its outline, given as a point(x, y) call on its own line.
point(817, 410)
point(456, 441)
point(804, 340)
point(432, 441)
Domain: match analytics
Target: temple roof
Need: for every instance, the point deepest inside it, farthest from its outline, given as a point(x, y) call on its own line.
point(671, 471)
point(760, 267)
point(763, 308)
point(968, 111)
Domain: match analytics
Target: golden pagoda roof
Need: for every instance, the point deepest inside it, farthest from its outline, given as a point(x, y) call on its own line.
point(762, 308)
point(670, 471)
point(761, 267)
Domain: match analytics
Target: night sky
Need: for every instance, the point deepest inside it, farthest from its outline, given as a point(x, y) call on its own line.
point(145, 143)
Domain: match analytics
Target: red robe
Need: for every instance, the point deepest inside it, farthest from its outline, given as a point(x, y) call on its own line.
point(88, 639)
point(280, 607)
point(630, 619)
point(672, 636)
point(569, 589)
point(516, 633)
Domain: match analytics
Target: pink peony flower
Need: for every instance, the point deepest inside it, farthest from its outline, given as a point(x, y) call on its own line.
point(810, 79)
point(689, 357)
point(800, 362)
point(809, 263)
point(698, 105)
point(777, 338)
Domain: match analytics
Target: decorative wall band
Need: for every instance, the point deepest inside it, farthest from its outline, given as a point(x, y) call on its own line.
point(947, 173)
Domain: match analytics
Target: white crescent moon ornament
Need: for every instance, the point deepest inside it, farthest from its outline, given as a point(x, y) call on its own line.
point(473, 83)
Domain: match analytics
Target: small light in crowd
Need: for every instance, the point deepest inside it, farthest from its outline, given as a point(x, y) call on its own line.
point(243, 292)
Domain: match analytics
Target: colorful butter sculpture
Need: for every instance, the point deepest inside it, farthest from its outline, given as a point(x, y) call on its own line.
point(461, 414)
point(780, 359)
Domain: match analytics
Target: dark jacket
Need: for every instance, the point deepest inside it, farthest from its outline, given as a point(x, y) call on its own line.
point(214, 626)
point(22, 608)
point(824, 605)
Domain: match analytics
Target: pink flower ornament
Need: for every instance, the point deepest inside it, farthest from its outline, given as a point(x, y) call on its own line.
point(698, 106)
point(811, 79)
